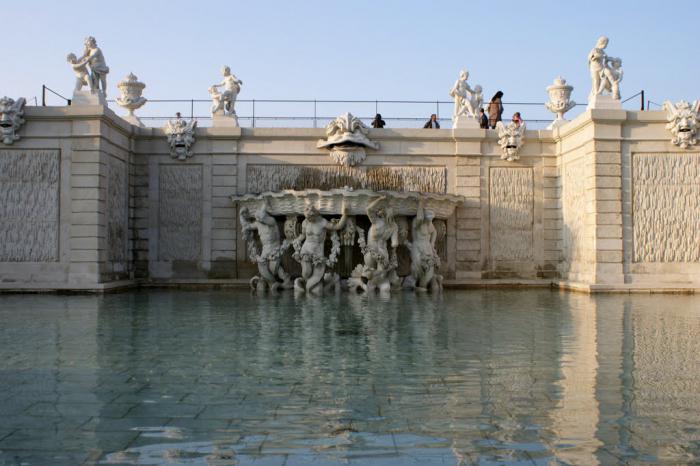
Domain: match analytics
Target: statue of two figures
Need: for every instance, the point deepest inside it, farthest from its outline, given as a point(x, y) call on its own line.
point(467, 102)
point(379, 270)
point(223, 97)
point(606, 75)
point(90, 69)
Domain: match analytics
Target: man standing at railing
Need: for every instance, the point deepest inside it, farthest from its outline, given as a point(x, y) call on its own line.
point(432, 123)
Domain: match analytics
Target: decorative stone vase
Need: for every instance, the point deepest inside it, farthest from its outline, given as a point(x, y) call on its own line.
point(559, 100)
point(131, 99)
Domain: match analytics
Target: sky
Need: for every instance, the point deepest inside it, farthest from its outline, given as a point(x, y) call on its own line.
point(352, 50)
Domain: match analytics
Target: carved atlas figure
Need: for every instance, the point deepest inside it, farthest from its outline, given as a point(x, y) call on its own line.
point(309, 248)
point(268, 259)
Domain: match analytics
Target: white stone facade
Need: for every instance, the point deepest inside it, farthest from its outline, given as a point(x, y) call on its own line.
point(604, 202)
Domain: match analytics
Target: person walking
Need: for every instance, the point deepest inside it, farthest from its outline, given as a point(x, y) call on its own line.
point(495, 109)
point(432, 123)
point(483, 119)
point(378, 122)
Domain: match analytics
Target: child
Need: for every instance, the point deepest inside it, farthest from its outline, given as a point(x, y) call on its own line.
point(81, 74)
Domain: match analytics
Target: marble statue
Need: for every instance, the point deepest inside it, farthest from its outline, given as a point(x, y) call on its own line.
point(98, 67)
point(424, 257)
point(131, 99)
point(90, 69)
point(606, 75)
point(559, 101)
point(510, 138)
point(467, 102)
point(224, 101)
point(683, 122)
point(272, 274)
point(82, 76)
point(346, 137)
point(309, 249)
point(180, 135)
point(379, 262)
point(11, 119)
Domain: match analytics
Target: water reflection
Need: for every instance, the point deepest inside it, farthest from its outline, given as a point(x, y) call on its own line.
point(226, 377)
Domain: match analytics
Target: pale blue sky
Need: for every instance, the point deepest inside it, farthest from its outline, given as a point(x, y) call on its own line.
point(358, 49)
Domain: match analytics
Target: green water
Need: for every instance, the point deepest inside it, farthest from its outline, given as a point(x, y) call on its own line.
point(227, 377)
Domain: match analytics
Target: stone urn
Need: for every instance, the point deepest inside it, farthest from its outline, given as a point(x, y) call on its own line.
point(559, 100)
point(131, 89)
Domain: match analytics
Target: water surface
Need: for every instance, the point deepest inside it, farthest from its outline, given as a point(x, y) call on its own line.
point(227, 377)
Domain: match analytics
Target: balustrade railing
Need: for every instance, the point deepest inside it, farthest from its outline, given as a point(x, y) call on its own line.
point(317, 113)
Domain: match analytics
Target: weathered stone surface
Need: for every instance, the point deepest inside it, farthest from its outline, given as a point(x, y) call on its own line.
point(180, 213)
point(262, 178)
point(512, 216)
point(666, 207)
point(29, 205)
point(117, 211)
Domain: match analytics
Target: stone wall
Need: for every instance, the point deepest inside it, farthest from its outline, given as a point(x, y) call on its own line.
point(88, 201)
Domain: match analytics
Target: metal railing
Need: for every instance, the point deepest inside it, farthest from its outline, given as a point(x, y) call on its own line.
point(318, 112)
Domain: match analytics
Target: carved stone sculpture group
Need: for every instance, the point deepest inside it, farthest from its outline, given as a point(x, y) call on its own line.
point(389, 229)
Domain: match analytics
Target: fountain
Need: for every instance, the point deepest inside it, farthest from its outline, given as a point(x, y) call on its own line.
point(387, 215)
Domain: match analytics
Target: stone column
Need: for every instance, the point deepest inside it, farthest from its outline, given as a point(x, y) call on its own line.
point(604, 195)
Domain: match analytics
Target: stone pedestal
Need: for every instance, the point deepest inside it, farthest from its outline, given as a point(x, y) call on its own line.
point(558, 123)
point(134, 120)
point(228, 121)
point(604, 102)
point(465, 122)
point(88, 98)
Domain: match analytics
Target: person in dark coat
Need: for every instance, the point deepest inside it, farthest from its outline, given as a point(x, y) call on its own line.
point(495, 109)
point(483, 119)
point(378, 122)
point(432, 123)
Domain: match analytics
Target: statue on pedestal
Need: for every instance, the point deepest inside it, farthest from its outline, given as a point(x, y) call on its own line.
point(467, 103)
point(272, 274)
point(424, 257)
point(309, 248)
point(223, 102)
point(92, 58)
point(606, 72)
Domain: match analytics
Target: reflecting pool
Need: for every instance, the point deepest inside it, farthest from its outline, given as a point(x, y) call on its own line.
point(231, 378)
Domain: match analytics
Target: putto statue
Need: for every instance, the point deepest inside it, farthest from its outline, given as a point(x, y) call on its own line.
point(11, 118)
point(224, 101)
point(131, 99)
point(97, 77)
point(510, 138)
point(683, 122)
point(467, 102)
point(180, 137)
point(272, 275)
point(309, 249)
point(606, 75)
point(346, 137)
point(559, 101)
point(424, 257)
